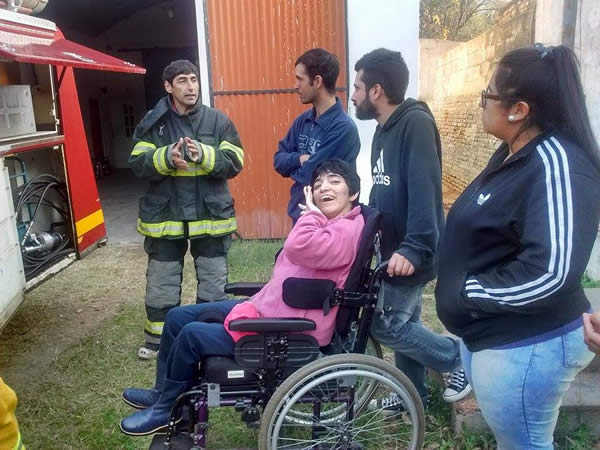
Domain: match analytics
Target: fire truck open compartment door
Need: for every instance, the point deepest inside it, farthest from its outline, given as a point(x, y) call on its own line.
point(42, 132)
point(32, 40)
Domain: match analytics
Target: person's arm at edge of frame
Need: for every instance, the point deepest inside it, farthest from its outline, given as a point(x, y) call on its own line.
point(591, 331)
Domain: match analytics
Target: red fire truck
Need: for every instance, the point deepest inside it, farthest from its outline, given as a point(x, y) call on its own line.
point(50, 212)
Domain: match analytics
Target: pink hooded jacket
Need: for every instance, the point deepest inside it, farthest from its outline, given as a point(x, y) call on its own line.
point(315, 248)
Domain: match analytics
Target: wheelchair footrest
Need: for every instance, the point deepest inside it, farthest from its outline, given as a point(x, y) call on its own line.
point(181, 441)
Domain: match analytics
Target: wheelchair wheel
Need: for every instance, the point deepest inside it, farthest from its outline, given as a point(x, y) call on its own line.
point(333, 382)
point(363, 394)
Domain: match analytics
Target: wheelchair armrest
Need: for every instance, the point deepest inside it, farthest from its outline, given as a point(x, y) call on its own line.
point(267, 325)
point(247, 289)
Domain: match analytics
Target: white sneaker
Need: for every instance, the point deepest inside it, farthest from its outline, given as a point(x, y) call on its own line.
point(458, 387)
point(146, 353)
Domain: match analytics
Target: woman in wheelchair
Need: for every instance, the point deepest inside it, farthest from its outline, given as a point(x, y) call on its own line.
point(322, 245)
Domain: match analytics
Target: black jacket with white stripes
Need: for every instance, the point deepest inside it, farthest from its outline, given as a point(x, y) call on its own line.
point(517, 242)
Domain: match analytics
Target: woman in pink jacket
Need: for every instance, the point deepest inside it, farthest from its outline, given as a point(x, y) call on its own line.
point(322, 244)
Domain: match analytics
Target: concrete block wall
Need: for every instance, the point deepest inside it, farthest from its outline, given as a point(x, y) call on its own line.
point(466, 147)
point(451, 79)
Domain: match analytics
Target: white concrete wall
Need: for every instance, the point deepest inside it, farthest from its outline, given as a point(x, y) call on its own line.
point(548, 21)
point(593, 268)
point(587, 48)
point(203, 57)
point(549, 30)
point(372, 24)
point(549, 26)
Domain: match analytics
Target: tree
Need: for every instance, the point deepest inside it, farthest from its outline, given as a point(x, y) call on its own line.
point(457, 20)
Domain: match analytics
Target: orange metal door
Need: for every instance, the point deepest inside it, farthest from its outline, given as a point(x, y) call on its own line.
point(253, 45)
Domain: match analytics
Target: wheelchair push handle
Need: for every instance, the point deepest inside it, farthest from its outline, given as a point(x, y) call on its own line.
point(381, 268)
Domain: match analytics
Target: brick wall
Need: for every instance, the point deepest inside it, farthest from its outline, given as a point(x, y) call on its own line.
point(451, 79)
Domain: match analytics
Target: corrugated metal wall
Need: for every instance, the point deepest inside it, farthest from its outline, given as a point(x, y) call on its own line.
point(253, 45)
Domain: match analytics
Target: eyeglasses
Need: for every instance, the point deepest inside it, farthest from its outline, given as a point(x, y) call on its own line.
point(485, 96)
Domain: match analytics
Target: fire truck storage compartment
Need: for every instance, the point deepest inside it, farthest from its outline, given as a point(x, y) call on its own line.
point(45, 163)
point(42, 210)
point(32, 153)
point(27, 101)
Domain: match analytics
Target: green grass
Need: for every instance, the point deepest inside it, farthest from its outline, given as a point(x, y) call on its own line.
point(73, 401)
point(587, 282)
point(581, 438)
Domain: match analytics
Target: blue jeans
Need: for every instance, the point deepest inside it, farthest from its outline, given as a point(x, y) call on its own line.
point(519, 390)
point(185, 341)
point(399, 327)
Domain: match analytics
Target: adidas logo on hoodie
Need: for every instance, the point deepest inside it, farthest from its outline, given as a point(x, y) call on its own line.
point(378, 172)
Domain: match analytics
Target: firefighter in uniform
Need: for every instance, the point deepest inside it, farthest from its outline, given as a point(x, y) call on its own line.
point(10, 437)
point(187, 151)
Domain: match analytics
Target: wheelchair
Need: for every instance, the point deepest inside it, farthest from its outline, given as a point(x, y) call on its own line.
point(302, 396)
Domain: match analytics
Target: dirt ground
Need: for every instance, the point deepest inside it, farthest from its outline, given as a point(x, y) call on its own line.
point(65, 309)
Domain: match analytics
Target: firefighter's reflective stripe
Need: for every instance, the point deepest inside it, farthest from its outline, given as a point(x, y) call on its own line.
point(191, 170)
point(195, 228)
point(212, 227)
point(142, 147)
point(169, 228)
point(160, 161)
point(154, 327)
point(239, 153)
point(208, 161)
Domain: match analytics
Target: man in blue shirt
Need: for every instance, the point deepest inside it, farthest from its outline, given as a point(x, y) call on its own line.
point(321, 133)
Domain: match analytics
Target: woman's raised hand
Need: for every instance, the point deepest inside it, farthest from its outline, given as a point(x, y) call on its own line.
point(309, 204)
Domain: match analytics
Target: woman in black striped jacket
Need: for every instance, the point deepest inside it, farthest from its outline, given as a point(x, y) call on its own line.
point(517, 242)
